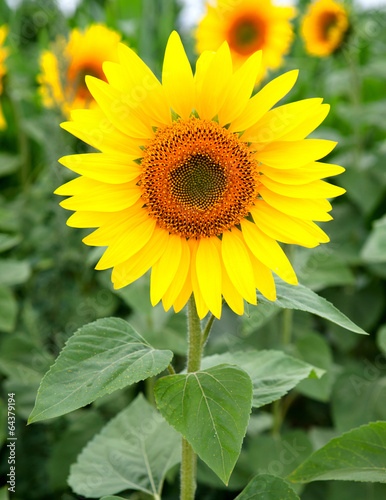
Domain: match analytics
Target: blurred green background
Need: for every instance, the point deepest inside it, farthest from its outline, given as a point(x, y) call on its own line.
point(48, 287)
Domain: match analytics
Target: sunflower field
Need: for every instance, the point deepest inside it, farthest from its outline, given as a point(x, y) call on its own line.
point(193, 250)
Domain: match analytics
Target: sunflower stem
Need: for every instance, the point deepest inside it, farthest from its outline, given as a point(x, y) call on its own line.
point(189, 458)
point(207, 329)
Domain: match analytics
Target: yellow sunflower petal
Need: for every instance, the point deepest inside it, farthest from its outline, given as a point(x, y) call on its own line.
point(178, 282)
point(113, 228)
point(305, 128)
point(208, 268)
point(264, 100)
point(116, 106)
point(281, 120)
point(238, 264)
point(268, 251)
point(177, 77)
point(202, 308)
point(212, 92)
point(184, 295)
point(302, 175)
point(146, 88)
point(89, 219)
point(240, 89)
point(138, 94)
point(125, 273)
point(233, 298)
point(164, 270)
point(112, 197)
point(285, 228)
point(110, 168)
point(304, 208)
point(93, 127)
point(264, 281)
point(134, 236)
point(315, 189)
point(282, 154)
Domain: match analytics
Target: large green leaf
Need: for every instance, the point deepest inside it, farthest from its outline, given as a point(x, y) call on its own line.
point(358, 455)
point(304, 299)
point(267, 487)
point(7, 241)
point(374, 249)
point(14, 272)
point(359, 396)
point(8, 309)
point(100, 358)
point(9, 163)
point(4, 493)
point(135, 450)
point(273, 373)
point(210, 408)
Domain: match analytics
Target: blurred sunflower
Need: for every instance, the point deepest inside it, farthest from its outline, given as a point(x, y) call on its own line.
point(196, 180)
point(247, 26)
point(324, 27)
point(63, 69)
point(3, 56)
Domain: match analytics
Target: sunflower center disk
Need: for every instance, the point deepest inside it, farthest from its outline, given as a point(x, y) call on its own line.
point(198, 178)
point(246, 34)
point(198, 183)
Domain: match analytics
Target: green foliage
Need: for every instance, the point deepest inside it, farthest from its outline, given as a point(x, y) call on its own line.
point(358, 455)
point(301, 349)
point(210, 408)
point(134, 450)
point(302, 298)
point(273, 373)
point(100, 358)
point(267, 487)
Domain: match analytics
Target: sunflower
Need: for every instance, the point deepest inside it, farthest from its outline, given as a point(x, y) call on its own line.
point(247, 26)
point(3, 56)
point(63, 69)
point(196, 180)
point(324, 27)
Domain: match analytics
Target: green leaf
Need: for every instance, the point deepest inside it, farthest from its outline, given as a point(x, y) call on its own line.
point(304, 299)
point(100, 358)
point(112, 498)
point(8, 309)
point(313, 348)
point(8, 241)
point(84, 426)
point(4, 493)
point(210, 408)
point(134, 450)
point(273, 373)
point(359, 396)
point(13, 272)
point(9, 164)
point(381, 339)
point(320, 267)
point(374, 248)
point(276, 454)
point(267, 487)
point(358, 455)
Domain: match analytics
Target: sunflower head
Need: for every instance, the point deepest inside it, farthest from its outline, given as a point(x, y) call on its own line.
point(3, 56)
point(196, 180)
point(247, 26)
point(63, 69)
point(324, 27)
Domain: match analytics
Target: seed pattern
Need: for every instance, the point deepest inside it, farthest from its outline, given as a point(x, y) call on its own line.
point(198, 178)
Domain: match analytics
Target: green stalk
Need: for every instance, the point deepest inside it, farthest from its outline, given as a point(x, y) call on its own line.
point(189, 458)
